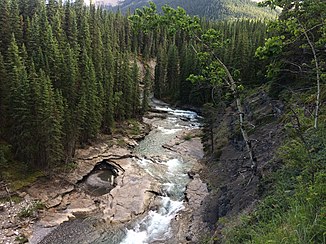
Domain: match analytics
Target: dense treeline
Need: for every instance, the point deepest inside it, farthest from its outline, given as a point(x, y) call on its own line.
point(67, 72)
point(177, 59)
point(210, 9)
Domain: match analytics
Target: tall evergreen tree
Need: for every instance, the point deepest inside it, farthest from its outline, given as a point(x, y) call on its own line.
point(146, 89)
point(5, 28)
point(135, 91)
point(173, 72)
point(4, 92)
point(160, 82)
point(16, 23)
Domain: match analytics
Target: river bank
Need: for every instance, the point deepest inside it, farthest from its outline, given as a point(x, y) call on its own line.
point(133, 192)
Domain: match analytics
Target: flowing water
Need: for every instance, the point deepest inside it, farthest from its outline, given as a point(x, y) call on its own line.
point(169, 168)
point(171, 172)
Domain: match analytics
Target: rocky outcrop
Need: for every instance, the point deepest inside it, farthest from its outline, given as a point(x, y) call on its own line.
point(189, 226)
point(132, 196)
point(188, 144)
point(234, 187)
point(86, 159)
point(65, 195)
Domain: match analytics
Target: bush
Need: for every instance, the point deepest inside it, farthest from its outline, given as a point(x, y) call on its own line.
point(187, 137)
point(31, 210)
point(294, 209)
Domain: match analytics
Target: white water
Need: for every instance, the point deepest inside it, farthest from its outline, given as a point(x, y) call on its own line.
point(156, 225)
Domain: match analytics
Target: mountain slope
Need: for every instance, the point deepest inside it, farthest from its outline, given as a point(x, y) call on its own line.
point(211, 9)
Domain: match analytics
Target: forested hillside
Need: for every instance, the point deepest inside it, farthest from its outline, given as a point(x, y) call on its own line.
point(67, 73)
point(264, 137)
point(210, 9)
point(70, 72)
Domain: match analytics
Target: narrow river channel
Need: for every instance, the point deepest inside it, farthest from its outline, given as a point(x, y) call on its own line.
point(170, 170)
point(156, 157)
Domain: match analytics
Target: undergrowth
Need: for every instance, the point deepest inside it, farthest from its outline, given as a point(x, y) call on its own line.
point(294, 209)
point(18, 174)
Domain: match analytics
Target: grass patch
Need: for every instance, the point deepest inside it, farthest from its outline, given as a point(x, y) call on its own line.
point(21, 239)
point(187, 137)
point(18, 174)
point(294, 209)
point(133, 127)
point(31, 210)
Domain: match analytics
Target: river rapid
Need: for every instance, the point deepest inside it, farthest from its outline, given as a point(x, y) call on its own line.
point(170, 170)
point(164, 156)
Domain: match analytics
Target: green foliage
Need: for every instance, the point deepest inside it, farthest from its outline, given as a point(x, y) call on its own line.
point(273, 46)
point(21, 239)
point(5, 154)
point(296, 35)
point(210, 9)
point(65, 76)
point(187, 137)
point(294, 209)
point(197, 44)
point(31, 210)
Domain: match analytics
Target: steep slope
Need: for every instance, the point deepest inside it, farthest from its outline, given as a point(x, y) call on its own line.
point(211, 9)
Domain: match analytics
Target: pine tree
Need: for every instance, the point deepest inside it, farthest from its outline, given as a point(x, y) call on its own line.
point(50, 127)
point(19, 117)
point(91, 92)
point(135, 96)
point(187, 67)
point(108, 85)
point(16, 21)
point(127, 86)
point(4, 92)
point(70, 26)
point(173, 72)
point(160, 82)
point(146, 89)
point(5, 29)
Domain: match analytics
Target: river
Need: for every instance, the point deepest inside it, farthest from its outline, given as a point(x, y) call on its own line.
point(167, 166)
point(171, 172)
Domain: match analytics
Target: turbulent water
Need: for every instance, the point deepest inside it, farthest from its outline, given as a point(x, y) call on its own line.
point(169, 168)
point(171, 172)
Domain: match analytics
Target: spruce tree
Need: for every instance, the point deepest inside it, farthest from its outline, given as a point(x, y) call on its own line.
point(135, 91)
point(4, 92)
point(173, 72)
point(146, 90)
point(160, 81)
point(18, 101)
point(5, 28)
point(16, 22)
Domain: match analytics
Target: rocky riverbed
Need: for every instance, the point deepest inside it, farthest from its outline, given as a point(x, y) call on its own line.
point(72, 209)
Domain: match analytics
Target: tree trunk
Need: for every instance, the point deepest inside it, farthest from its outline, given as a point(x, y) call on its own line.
point(244, 133)
point(317, 76)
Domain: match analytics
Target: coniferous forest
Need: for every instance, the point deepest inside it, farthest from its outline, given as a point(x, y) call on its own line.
point(70, 72)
